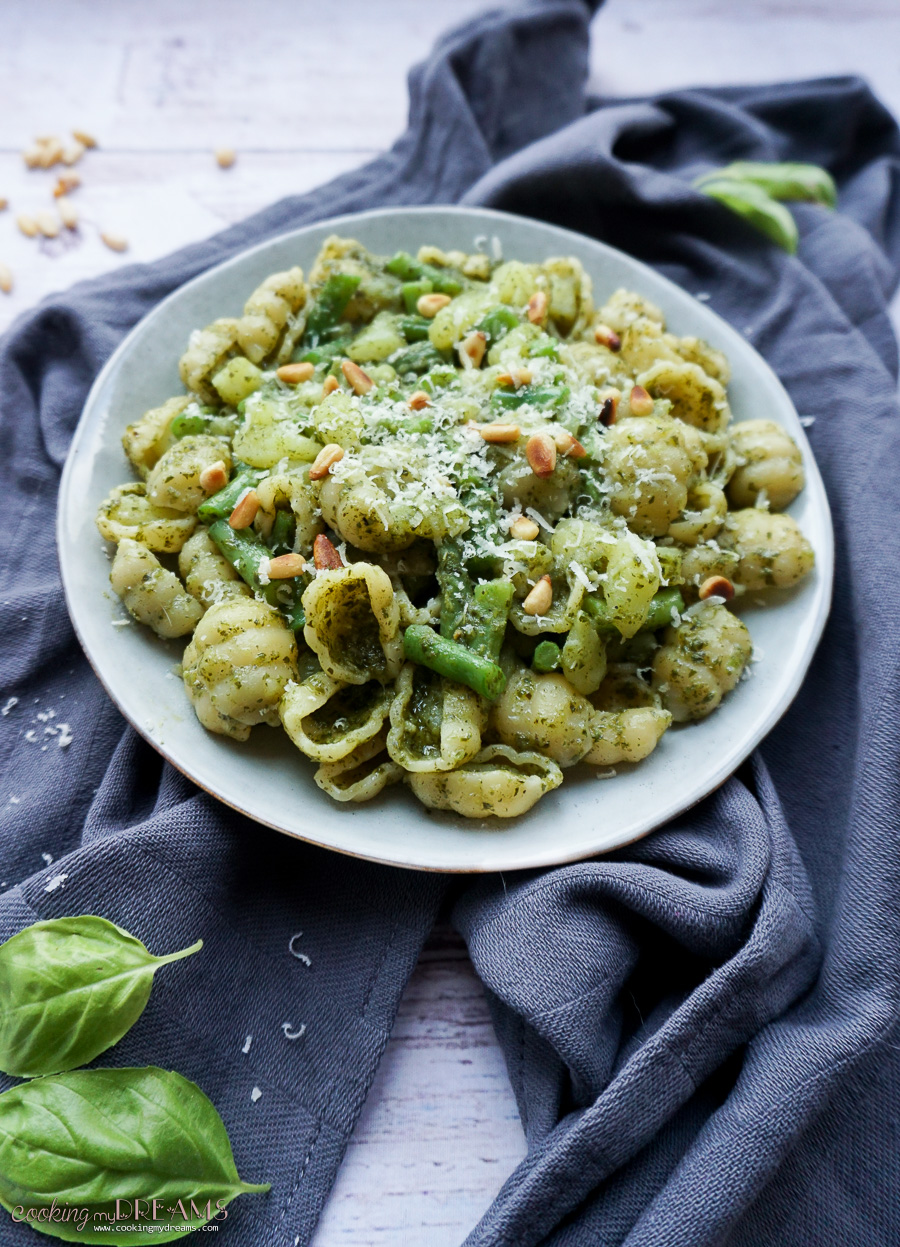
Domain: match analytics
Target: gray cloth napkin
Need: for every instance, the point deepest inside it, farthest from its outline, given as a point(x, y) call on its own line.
point(699, 1029)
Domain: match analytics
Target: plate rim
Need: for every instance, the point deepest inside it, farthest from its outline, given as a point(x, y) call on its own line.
point(715, 778)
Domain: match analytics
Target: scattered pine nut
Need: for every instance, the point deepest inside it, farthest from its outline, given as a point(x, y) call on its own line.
point(540, 599)
point(498, 433)
point(32, 157)
point(608, 409)
point(225, 157)
point(566, 444)
point(293, 374)
point(538, 306)
point(4, 203)
point(472, 349)
point(418, 400)
point(360, 382)
point(640, 402)
point(607, 337)
point(72, 154)
point(328, 455)
point(245, 511)
point(48, 223)
point(84, 138)
point(50, 151)
point(331, 384)
point(325, 555)
point(6, 278)
point(67, 211)
point(28, 225)
point(516, 377)
point(214, 477)
point(429, 305)
point(523, 529)
point(286, 565)
point(716, 586)
point(115, 242)
point(65, 184)
point(540, 451)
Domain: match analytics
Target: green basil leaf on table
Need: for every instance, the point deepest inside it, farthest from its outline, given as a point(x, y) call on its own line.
point(756, 207)
point(791, 180)
point(86, 1139)
point(69, 989)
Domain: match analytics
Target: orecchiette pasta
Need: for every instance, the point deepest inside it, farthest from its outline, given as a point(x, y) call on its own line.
point(476, 534)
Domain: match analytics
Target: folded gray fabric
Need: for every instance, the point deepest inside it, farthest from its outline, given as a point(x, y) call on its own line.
point(699, 1028)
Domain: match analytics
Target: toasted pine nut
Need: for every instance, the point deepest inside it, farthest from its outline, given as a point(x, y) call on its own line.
point(286, 565)
point(716, 586)
point(430, 304)
point(537, 307)
point(214, 477)
point(360, 382)
point(293, 374)
point(225, 157)
point(115, 242)
point(32, 156)
point(640, 402)
point(607, 337)
point(244, 513)
point(472, 349)
point(51, 152)
point(516, 377)
point(324, 459)
point(523, 529)
point(498, 433)
point(48, 223)
point(608, 408)
point(324, 554)
point(418, 400)
point(65, 184)
point(4, 202)
point(67, 211)
point(28, 225)
point(566, 444)
point(330, 385)
point(72, 154)
point(540, 451)
point(540, 599)
point(85, 139)
point(6, 278)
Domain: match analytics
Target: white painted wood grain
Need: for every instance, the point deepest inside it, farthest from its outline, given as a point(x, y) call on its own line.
point(305, 91)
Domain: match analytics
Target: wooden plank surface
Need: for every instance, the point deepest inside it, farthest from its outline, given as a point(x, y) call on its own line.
point(304, 92)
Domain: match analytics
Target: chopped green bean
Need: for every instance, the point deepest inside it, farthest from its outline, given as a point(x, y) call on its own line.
point(534, 395)
point(547, 657)
point(244, 551)
point(409, 269)
point(497, 323)
point(414, 328)
point(412, 292)
point(658, 616)
point(453, 661)
point(419, 357)
point(281, 539)
point(220, 505)
point(329, 306)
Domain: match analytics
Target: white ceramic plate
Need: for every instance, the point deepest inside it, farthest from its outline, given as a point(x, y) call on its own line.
point(267, 778)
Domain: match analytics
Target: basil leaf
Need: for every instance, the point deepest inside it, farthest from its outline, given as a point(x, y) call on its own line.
point(757, 208)
point(69, 989)
point(807, 183)
point(78, 1142)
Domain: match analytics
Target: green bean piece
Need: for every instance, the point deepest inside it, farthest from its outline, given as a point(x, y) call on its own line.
point(453, 661)
point(547, 657)
point(497, 323)
point(329, 306)
point(790, 180)
point(281, 538)
point(409, 269)
point(658, 616)
point(419, 357)
point(544, 347)
point(219, 506)
point(412, 292)
point(486, 622)
point(202, 420)
point(535, 395)
point(456, 587)
point(244, 551)
point(414, 328)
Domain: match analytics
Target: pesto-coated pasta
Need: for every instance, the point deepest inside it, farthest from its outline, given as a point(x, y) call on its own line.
point(451, 524)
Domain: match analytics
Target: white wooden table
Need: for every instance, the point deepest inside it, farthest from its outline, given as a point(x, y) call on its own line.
point(305, 91)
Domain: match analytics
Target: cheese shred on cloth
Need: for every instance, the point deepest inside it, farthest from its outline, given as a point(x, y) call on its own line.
point(700, 1029)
